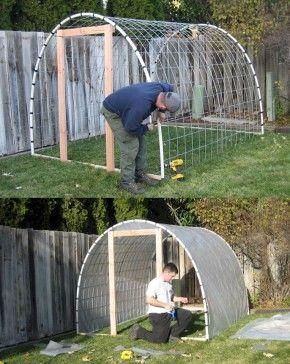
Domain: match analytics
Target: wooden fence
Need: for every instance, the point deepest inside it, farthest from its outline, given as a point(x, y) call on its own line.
point(38, 281)
point(18, 54)
point(84, 86)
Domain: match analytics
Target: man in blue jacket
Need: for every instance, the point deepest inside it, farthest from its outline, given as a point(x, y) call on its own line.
point(125, 110)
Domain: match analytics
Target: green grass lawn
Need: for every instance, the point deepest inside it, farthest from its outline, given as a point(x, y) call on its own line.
point(256, 167)
point(221, 349)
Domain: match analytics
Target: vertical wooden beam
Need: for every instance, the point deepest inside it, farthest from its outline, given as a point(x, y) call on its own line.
point(108, 89)
point(159, 252)
point(112, 287)
point(182, 269)
point(61, 96)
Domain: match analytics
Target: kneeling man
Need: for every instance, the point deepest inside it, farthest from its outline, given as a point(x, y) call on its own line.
point(161, 301)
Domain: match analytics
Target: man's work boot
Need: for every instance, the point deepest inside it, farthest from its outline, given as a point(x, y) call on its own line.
point(132, 187)
point(144, 178)
point(133, 334)
point(175, 339)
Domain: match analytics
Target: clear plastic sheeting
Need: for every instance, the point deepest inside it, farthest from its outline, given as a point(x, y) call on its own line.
point(53, 348)
point(220, 277)
point(276, 327)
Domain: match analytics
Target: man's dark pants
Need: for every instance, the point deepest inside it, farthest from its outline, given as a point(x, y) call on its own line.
point(132, 148)
point(161, 326)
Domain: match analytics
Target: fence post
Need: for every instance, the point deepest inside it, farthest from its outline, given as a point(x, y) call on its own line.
point(197, 102)
point(270, 101)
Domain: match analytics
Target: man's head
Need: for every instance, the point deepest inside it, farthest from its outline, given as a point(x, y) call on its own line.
point(169, 272)
point(168, 101)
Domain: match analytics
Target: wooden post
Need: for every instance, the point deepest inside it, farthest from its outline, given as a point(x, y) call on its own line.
point(112, 286)
point(107, 30)
point(61, 96)
point(182, 268)
point(159, 252)
point(108, 89)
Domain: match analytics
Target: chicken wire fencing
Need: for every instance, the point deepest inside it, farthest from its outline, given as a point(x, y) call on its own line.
point(132, 267)
point(224, 295)
point(209, 69)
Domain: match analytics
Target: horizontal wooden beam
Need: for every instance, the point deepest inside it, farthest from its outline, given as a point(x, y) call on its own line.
point(75, 32)
point(73, 161)
point(140, 232)
point(189, 338)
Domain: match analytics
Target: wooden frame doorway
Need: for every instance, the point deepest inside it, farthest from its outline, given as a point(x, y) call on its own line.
point(111, 257)
point(107, 31)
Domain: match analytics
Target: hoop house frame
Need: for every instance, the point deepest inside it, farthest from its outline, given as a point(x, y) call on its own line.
point(115, 273)
point(221, 99)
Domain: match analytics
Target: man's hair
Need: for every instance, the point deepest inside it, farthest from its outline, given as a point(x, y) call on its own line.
point(172, 101)
point(170, 267)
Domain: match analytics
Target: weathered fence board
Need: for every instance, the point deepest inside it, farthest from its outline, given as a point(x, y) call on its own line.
point(38, 280)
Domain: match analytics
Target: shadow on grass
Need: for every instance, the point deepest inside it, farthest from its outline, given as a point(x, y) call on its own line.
point(127, 326)
point(196, 326)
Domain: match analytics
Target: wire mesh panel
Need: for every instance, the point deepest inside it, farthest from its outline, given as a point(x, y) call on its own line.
point(132, 270)
point(220, 98)
point(132, 259)
point(221, 101)
point(93, 297)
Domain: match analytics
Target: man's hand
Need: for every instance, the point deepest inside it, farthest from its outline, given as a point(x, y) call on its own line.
point(150, 126)
point(183, 300)
point(161, 116)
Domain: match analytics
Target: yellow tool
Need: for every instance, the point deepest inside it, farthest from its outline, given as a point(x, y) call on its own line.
point(127, 355)
point(176, 163)
point(178, 176)
point(173, 166)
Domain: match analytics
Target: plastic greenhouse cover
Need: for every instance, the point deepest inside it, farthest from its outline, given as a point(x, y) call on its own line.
point(274, 328)
point(219, 273)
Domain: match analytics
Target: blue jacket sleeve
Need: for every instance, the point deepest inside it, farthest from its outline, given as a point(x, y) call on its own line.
point(132, 120)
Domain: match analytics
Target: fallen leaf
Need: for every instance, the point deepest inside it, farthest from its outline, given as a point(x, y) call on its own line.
point(268, 355)
point(86, 358)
